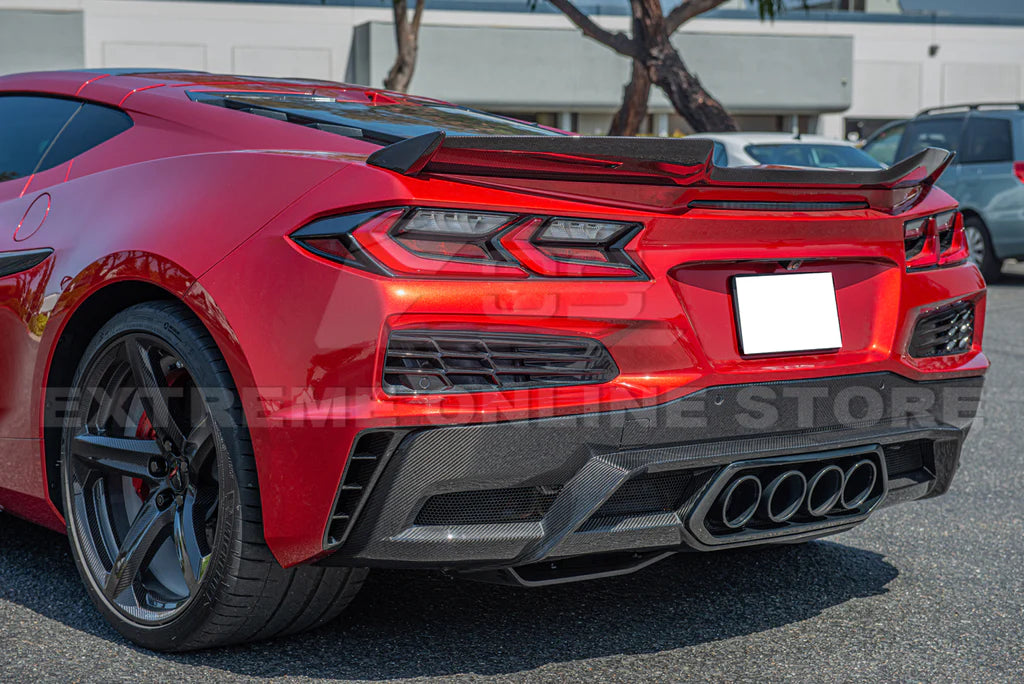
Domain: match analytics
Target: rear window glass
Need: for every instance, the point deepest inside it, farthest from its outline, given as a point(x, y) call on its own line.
point(720, 157)
point(943, 133)
point(986, 140)
point(815, 156)
point(883, 147)
point(381, 123)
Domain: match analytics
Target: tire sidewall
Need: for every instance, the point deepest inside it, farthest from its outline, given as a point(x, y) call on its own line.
point(991, 266)
point(171, 324)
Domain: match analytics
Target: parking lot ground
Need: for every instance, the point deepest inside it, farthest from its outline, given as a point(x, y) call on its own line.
point(927, 591)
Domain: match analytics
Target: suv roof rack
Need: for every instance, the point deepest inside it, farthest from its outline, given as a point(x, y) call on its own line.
point(981, 106)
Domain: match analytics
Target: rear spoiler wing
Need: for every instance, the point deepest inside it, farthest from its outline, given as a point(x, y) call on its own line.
point(651, 161)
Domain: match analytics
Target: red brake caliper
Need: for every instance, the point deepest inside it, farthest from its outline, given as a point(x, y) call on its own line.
point(143, 431)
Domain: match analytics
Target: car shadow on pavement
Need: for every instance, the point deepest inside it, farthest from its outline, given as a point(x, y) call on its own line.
point(408, 624)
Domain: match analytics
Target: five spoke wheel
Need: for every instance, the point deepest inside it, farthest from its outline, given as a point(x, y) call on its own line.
point(143, 478)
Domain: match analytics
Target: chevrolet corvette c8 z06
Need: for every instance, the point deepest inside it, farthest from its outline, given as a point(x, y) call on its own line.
point(259, 336)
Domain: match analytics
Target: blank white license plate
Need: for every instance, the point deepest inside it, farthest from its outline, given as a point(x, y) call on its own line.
point(787, 313)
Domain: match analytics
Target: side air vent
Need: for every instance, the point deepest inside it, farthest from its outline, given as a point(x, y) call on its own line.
point(488, 506)
point(905, 458)
point(434, 362)
point(360, 471)
point(948, 331)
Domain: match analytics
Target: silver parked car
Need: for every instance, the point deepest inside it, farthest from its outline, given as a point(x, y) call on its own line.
point(784, 149)
point(987, 176)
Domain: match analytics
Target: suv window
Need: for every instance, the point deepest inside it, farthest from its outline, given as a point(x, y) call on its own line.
point(38, 133)
point(941, 132)
point(986, 140)
point(885, 145)
point(28, 125)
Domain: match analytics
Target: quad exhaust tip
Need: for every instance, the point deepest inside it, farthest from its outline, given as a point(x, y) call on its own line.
point(824, 490)
point(795, 495)
point(859, 483)
point(783, 496)
point(740, 501)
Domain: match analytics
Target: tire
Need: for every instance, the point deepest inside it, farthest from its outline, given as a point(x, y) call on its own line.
point(982, 254)
point(164, 515)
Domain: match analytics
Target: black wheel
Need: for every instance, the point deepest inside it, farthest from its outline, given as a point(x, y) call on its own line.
point(979, 242)
point(161, 497)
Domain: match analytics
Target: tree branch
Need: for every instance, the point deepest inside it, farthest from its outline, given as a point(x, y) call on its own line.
point(687, 10)
point(399, 10)
point(619, 42)
point(417, 16)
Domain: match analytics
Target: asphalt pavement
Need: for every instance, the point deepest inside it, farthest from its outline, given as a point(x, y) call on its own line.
point(929, 591)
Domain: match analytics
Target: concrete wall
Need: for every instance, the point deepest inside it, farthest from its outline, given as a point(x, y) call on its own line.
point(33, 39)
point(549, 69)
point(893, 74)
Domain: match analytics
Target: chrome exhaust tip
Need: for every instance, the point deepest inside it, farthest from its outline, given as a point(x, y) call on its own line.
point(824, 490)
point(783, 496)
point(860, 482)
point(740, 501)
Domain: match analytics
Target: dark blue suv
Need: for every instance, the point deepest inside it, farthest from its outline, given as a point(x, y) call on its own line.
point(987, 176)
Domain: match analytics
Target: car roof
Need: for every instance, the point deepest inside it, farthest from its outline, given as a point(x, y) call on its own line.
point(755, 138)
point(115, 86)
point(961, 109)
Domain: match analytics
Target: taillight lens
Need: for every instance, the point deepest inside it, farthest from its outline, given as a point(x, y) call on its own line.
point(567, 247)
point(1018, 170)
point(448, 234)
point(451, 243)
point(917, 243)
point(949, 228)
point(936, 240)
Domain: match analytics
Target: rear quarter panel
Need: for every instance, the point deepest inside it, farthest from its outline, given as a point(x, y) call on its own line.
point(164, 221)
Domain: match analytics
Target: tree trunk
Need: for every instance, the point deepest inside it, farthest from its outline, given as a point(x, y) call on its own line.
point(649, 45)
point(407, 43)
point(684, 90)
point(628, 119)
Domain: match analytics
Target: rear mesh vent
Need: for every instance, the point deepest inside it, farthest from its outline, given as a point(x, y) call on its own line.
point(430, 362)
point(488, 506)
point(362, 465)
point(653, 493)
point(907, 457)
point(734, 205)
point(950, 330)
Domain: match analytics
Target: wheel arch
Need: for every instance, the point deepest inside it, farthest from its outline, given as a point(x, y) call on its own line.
point(82, 325)
point(973, 213)
point(969, 212)
point(84, 322)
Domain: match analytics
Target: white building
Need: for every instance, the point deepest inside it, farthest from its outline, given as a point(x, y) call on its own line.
point(830, 71)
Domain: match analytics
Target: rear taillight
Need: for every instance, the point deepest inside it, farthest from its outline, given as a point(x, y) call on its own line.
point(450, 243)
point(936, 240)
point(567, 247)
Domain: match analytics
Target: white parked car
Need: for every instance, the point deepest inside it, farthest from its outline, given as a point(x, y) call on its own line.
point(784, 149)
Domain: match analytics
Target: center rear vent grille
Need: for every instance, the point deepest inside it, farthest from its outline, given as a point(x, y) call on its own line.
point(488, 506)
point(426, 362)
point(653, 493)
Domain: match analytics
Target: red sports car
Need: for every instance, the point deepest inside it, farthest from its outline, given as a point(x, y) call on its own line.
point(258, 336)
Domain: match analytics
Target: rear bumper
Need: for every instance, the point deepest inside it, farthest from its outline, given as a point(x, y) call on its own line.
point(628, 486)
